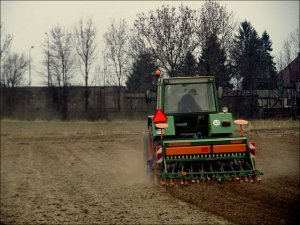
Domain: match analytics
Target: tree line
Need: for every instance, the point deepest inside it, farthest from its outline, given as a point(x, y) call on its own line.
point(178, 41)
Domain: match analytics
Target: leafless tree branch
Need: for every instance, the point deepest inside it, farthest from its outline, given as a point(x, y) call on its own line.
point(14, 68)
point(6, 40)
point(167, 34)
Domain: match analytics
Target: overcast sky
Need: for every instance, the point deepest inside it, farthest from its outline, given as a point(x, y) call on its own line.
point(28, 21)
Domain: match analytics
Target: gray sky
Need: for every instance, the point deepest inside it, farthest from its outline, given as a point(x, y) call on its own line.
point(29, 20)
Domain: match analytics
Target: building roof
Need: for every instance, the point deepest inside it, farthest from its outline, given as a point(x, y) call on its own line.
point(291, 74)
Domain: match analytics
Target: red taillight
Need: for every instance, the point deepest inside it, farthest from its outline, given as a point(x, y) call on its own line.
point(252, 148)
point(225, 123)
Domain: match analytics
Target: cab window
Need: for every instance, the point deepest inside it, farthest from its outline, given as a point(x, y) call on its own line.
point(189, 98)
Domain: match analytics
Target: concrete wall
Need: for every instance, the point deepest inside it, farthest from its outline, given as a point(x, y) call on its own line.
point(42, 103)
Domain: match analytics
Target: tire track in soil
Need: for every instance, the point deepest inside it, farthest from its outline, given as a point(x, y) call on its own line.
point(84, 182)
point(274, 201)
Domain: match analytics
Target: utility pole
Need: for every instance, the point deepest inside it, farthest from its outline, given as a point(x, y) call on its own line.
point(29, 84)
point(48, 60)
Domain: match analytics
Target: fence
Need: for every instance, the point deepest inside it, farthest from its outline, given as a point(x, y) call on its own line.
point(43, 103)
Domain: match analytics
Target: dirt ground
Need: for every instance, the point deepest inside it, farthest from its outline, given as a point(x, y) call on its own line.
point(93, 173)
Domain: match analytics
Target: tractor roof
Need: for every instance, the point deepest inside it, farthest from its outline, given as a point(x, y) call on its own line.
point(180, 80)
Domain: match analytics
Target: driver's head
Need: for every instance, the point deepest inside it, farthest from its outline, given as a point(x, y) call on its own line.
point(193, 92)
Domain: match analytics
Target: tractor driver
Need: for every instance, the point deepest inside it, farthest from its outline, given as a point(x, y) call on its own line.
point(188, 102)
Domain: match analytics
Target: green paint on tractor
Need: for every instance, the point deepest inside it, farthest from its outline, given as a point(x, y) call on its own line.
point(198, 142)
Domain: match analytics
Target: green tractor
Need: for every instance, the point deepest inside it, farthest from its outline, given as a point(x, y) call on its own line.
point(188, 140)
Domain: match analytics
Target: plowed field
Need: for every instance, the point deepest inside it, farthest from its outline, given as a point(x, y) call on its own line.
point(93, 173)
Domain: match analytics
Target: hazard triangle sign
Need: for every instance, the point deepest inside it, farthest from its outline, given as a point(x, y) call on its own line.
point(159, 117)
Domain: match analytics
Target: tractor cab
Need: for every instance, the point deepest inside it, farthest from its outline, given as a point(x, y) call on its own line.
point(191, 104)
point(189, 101)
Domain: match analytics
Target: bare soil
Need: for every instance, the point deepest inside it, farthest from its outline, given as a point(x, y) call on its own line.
point(275, 200)
point(93, 173)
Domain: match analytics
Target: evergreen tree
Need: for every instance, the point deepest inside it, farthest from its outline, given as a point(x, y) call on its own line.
point(189, 67)
point(213, 62)
point(247, 56)
point(141, 76)
point(268, 76)
point(253, 63)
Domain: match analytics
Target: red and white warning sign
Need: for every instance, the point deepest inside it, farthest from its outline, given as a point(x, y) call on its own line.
point(252, 148)
point(159, 154)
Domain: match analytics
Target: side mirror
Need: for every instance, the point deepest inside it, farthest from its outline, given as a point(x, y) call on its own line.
point(220, 92)
point(148, 96)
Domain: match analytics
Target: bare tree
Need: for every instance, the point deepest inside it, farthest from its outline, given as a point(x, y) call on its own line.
point(280, 62)
point(294, 38)
point(62, 64)
point(14, 68)
point(12, 74)
point(85, 42)
point(116, 49)
point(6, 40)
point(291, 48)
point(287, 49)
point(169, 35)
point(136, 46)
point(214, 19)
point(62, 55)
point(47, 62)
